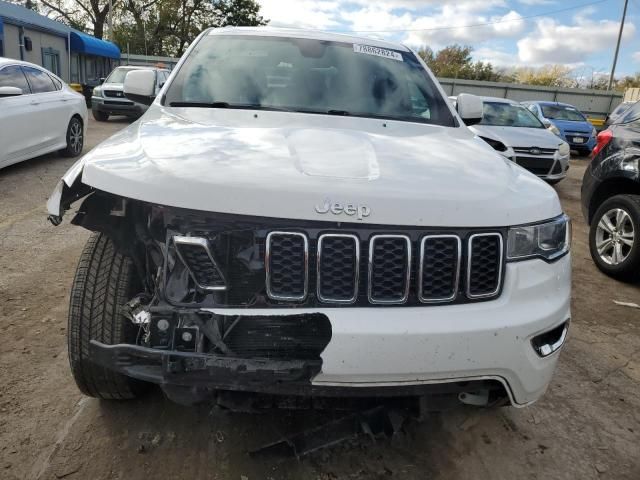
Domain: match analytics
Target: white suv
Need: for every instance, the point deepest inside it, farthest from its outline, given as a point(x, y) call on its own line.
point(305, 213)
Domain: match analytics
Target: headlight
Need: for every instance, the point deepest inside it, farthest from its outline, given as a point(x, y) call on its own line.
point(564, 149)
point(594, 132)
point(549, 240)
point(553, 129)
point(97, 92)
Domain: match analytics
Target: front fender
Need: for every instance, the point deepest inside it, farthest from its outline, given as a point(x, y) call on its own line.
point(68, 189)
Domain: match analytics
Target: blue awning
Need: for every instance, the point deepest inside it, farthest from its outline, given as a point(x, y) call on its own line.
point(86, 44)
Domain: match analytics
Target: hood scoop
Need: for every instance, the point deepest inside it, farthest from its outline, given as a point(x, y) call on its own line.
point(330, 153)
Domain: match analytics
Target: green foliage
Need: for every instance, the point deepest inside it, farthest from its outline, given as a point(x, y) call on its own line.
point(167, 27)
point(455, 61)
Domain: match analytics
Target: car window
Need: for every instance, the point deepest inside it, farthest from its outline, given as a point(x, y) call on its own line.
point(12, 76)
point(562, 112)
point(118, 75)
point(40, 81)
point(502, 114)
point(309, 76)
point(56, 82)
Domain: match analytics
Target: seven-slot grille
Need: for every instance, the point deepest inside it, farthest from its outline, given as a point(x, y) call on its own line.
point(338, 268)
point(439, 267)
point(287, 265)
point(196, 255)
point(386, 272)
point(484, 268)
point(389, 268)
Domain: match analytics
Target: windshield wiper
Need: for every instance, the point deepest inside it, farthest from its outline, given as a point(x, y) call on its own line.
point(238, 106)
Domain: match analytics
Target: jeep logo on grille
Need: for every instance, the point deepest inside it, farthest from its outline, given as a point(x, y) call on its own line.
point(337, 208)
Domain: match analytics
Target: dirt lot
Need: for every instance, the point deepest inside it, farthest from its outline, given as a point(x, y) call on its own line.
point(586, 427)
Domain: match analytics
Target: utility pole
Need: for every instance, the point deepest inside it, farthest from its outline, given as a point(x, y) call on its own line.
point(615, 58)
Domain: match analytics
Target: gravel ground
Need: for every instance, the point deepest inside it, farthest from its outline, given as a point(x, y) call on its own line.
point(587, 426)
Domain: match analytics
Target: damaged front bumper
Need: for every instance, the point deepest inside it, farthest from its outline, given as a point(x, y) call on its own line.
point(392, 351)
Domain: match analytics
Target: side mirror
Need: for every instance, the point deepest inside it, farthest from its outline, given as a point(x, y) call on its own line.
point(10, 92)
point(469, 108)
point(140, 86)
point(102, 79)
point(546, 123)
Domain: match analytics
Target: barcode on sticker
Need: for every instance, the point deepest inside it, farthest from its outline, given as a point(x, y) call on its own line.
point(377, 51)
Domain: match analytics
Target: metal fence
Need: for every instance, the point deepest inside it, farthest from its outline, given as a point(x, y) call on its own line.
point(593, 103)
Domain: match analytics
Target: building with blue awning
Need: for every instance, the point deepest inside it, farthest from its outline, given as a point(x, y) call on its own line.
point(72, 55)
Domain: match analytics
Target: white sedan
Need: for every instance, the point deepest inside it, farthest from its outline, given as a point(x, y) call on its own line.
point(39, 113)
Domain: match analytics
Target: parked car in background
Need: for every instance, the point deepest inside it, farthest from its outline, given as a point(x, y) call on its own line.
point(337, 231)
point(39, 113)
point(611, 198)
point(513, 130)
point(570, 124)
point(108, 98)
point(617, 112)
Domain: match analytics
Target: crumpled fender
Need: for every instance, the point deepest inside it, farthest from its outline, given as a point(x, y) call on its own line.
point(68, 189)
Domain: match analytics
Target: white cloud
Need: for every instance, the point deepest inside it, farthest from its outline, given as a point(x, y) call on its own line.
point(460, 16)
point(636, 56)
point(552, 42)
point(313, 14)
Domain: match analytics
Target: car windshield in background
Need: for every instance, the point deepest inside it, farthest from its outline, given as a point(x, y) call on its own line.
point(117, 76)
point(500, 114)
point(562, 112)
point(310, 76)
point(632, 114)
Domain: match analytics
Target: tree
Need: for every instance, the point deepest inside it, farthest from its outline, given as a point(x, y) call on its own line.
point(83, 15)
point(456, 61)
point(547, 76)
point(167, 27)
point(628, 82)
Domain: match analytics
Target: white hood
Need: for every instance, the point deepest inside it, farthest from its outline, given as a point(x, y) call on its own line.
point(276, 164)
point(520, 136)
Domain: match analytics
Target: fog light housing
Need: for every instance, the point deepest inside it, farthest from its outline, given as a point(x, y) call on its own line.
point(550, 341)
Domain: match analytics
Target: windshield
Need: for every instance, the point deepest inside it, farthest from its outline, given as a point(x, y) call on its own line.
point(310, 76)
point(562, 112)
point(117, 76)
point(502, 114)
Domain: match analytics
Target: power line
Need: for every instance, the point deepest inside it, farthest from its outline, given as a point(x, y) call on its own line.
point(473, 25)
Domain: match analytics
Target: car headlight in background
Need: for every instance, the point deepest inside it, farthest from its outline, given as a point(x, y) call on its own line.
point(553, 129)
point(97, 92)
point(564, 149)
point(594, 132)
point(548, 240)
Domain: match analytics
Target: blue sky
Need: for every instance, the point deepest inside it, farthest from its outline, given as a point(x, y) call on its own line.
point(583, 36)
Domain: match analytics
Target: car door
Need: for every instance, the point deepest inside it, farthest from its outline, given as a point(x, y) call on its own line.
point(16, 137)
point(51, 105)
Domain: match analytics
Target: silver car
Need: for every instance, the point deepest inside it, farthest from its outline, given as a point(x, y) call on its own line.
point(523, 138)
point(108, 99)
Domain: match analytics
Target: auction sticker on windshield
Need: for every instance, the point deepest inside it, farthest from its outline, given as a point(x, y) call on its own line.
point(378, 52)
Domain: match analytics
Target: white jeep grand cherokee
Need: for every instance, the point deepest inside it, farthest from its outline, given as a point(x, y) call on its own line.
point(301, 213)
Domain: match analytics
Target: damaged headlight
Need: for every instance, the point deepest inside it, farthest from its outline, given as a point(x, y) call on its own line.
point(549, 240)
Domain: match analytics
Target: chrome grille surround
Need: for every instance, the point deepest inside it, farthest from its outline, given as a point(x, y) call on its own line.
point(356, 276)
point(421, 271)
point(498, 282)
point(371, 266)
point(202, 243)
point(268, 268)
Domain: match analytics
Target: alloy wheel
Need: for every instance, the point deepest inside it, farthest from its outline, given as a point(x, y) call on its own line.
point(615, 236)
point(75, 137)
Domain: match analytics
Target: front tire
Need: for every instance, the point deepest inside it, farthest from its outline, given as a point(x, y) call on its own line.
point(105, 280)
point(614, 237)
point(75, 138)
